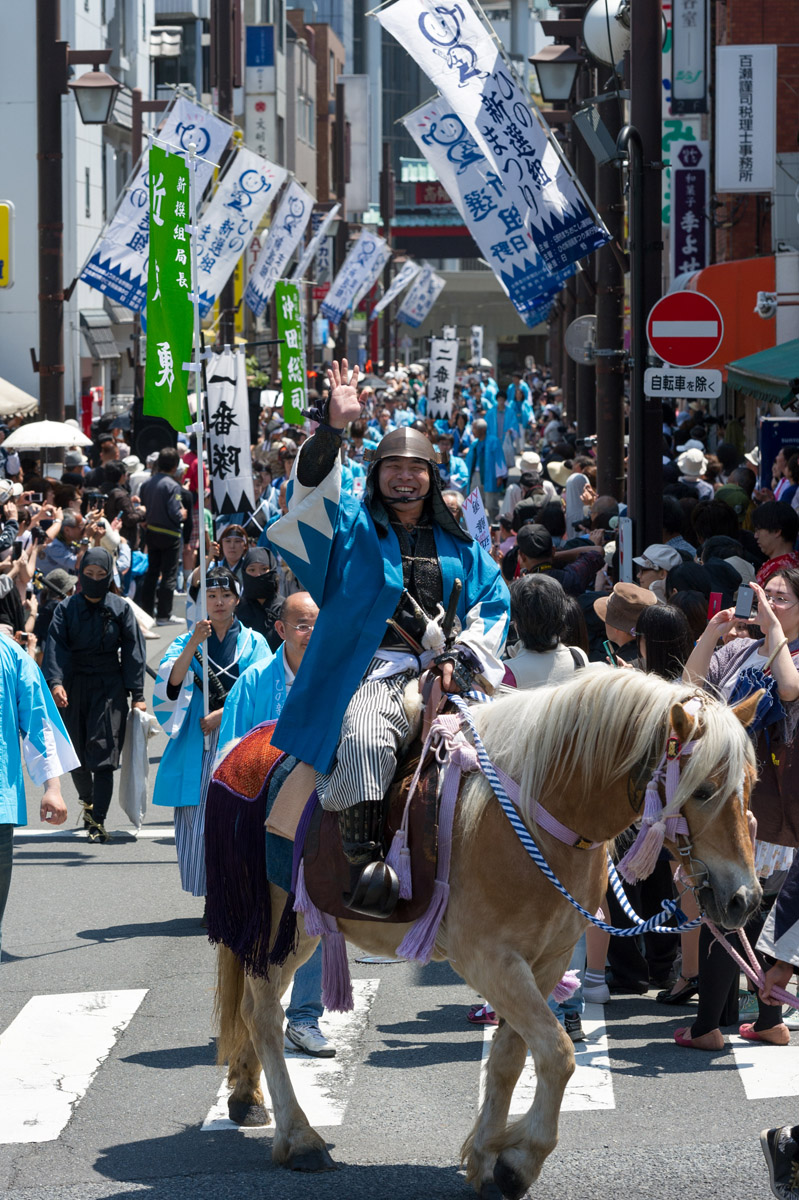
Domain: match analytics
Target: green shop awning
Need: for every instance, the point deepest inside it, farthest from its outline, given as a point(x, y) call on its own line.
point(770, 375)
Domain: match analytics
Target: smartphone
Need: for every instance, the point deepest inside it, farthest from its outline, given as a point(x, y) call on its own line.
point(45, 523)
point(36, 498)
point(746, 599)
point(611, 653)
point(16, 551)
point(714, 604)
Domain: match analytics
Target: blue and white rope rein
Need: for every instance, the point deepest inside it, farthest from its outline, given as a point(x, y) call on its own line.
point(656, 924)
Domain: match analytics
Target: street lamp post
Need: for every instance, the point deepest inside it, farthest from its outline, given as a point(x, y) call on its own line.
point(95, 101)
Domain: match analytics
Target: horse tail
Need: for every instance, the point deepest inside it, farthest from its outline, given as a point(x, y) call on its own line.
point(232, 1032)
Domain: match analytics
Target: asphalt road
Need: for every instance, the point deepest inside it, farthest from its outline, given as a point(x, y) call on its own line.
point(655, 1121)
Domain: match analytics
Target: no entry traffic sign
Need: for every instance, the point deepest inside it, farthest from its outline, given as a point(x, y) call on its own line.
point(685, 329)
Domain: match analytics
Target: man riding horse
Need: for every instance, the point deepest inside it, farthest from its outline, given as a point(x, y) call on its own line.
point(380, 571)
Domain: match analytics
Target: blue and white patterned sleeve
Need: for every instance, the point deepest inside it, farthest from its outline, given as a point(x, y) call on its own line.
point(169, 712)
point(304, 536)
point(487, 615)
point(46, 747)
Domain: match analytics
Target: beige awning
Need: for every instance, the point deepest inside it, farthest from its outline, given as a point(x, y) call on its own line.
point(14, 402)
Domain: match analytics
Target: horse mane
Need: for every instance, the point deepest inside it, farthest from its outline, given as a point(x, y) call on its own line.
point(603, 725)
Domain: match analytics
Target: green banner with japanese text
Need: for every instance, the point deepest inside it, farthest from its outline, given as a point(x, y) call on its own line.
point(170, 317)
point(292, 351)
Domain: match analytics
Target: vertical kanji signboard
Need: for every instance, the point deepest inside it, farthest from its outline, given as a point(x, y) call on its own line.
point(292, 352)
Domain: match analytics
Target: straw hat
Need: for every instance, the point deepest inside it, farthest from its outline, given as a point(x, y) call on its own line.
point(559, 473)
point(622, 608)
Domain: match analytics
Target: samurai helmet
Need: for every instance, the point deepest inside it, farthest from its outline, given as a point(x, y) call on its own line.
point(404, 443)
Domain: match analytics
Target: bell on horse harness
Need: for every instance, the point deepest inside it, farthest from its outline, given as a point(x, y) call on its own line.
point(374, 886)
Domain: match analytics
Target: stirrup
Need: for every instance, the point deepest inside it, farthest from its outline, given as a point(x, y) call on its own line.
point(376, 891)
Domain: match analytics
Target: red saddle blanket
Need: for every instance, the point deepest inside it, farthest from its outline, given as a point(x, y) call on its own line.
point(327, 872)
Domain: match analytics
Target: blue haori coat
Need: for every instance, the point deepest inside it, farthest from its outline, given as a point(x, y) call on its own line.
point(180, 770)
point(27, 710)
point(258, 695)
point(332, 545)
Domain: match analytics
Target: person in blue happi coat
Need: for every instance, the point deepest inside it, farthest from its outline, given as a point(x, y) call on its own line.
point(485, 462)
point(380, 572)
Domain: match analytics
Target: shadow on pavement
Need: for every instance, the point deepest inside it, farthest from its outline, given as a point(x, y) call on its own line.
point(176, 1058)
point(177, 927)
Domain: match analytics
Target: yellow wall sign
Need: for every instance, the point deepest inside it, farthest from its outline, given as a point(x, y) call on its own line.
point(6, 244)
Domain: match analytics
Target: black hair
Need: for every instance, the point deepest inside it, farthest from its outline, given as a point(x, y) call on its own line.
point(168, 459)
point(722, 547)
point(553, 518)
point(777, 517)
point(673, 516)
point(728, 455)
point(711, 518)
point(575, 630)
point(222, 577)
point(538, 610)
point(113, 471)
point(694, 605)
point(668, 639)
point(688, 576)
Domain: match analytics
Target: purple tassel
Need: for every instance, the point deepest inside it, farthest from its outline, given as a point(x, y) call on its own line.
point(399, 859)
point(567, 987)
point(314, 920)
point(420, 940)
point(640, 860)
point(336, 982)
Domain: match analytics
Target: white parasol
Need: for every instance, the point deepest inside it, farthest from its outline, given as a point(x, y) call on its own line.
point(46, 435)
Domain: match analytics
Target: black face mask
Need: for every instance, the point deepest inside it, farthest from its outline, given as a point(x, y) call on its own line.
point(95, 589)
point(260, 587)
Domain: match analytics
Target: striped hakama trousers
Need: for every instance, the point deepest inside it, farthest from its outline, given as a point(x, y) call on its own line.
point(190, 829)
point(374, 727)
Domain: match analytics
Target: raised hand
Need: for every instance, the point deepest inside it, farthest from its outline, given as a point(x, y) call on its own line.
point(344, 405)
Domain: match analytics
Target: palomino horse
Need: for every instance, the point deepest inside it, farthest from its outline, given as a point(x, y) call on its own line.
point(585, 750)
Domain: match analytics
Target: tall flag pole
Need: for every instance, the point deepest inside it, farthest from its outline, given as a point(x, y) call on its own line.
point(199, 427)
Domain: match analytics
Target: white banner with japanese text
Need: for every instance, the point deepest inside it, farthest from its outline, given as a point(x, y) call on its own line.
point(441, 380)
point(407, 272)
point(285, 232)
point(489, 212)
point(245, 191)
point(476, 344)
point(354, 271)
point(229, 458)
point(746, 118)
point(459, 54)
point(420, 298)
point(474, 514)
point(380, 260)
point(118, 264)
point(310, 252)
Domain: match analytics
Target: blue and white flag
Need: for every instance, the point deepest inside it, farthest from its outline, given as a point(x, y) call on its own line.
point(421, 297)
point(285, 232)
point(487, 207)
point(354, 272)
point(118, 265)
point(380, 260)
point(244, 193)
point(310, 252)
point(407, 272)
point(456, 50)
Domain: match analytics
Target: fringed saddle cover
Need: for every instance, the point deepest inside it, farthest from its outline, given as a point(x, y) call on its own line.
point(238, 910)
point(327, 872)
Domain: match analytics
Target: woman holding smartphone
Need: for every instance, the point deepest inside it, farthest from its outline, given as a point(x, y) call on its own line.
point(772, 802)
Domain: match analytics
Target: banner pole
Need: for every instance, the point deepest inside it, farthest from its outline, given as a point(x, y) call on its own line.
point(199, 424)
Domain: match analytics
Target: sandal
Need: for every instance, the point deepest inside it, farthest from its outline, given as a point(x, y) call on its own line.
point(482, 1014)
point(683, 995)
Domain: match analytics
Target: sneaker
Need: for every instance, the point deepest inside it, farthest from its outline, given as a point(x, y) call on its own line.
point(790, 1017)
point(574, 1027)
point(747, 1004)
point(170, 621)
point(482, 1014)
point(309, 1039)
point(598, 993)
point(782, 1158)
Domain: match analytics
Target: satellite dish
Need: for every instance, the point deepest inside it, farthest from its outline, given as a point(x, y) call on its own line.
point(580, 340)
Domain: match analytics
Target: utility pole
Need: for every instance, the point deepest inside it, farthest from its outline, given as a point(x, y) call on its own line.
point(225, 76)
point(341, 176)
point(386, 214)
point(645, 482)
point(50, 55)
point(568, 379)
point(610, 314)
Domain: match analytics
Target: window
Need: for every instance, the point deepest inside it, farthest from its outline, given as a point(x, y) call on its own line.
point(332, 69)
point(311, 123)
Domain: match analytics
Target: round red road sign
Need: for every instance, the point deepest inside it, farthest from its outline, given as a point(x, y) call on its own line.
point(685, 329)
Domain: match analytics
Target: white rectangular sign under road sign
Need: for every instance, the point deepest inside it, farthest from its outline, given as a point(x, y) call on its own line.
point(678, 381)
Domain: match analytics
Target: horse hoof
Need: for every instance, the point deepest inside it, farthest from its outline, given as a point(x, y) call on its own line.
point(490, 1191)
point(247, 1115)
point(508, 1182)
point(311, 1160)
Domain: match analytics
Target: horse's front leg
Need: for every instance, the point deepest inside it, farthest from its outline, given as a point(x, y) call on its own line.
point(516, 1153)
point(296, 1144)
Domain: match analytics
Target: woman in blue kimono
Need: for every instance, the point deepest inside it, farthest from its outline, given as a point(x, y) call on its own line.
point(185, 769)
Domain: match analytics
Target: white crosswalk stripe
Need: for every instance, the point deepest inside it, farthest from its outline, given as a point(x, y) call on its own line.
point(320, 1084)
point(591, 1085)
point(766, 1071)
point(49, 1055)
